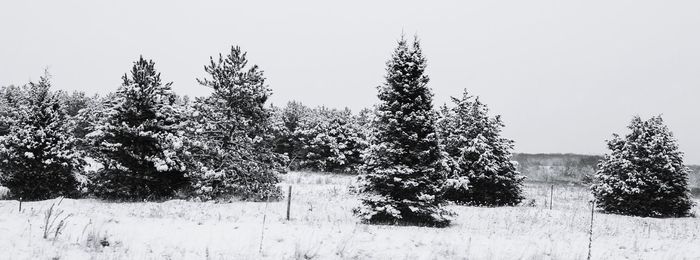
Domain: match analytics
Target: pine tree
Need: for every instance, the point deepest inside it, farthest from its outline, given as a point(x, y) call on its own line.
point(482, 172)
point(403, 172)
point(11, 98)
point(288, 121)
point(330, 140)
point(37, 156)
point(319, 139)
point(352, 138)
point(233, 123)
point(138, 139)
point(644, 174)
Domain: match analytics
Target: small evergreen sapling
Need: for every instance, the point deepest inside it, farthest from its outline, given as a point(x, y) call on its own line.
point(644, 173)
point(403, 173)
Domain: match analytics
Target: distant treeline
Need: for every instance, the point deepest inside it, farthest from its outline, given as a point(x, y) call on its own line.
point(573, 168)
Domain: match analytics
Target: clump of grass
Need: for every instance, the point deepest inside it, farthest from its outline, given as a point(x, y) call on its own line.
point(96, 240)
point(55, 220)
point(306, 253)
point(342, 246)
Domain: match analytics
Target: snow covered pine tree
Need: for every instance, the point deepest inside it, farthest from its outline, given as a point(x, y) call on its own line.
point(236, 159)
point(137, 139)
point(319, 139)
point(331, 141)
point(644, 173)
point(38, 156)
point(10, 99)
point(287, 120)
point(402, 175)
point(481, 170)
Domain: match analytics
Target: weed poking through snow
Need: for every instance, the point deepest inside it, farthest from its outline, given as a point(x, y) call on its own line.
point(55, 220)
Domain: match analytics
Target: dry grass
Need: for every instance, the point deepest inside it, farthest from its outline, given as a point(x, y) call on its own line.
point(323, 227)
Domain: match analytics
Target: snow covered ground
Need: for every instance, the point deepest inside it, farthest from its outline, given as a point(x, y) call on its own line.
point(323, 227)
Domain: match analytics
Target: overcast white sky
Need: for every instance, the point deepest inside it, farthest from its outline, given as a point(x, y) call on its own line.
point(564, 75)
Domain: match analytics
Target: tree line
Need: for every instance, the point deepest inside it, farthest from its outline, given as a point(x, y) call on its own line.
point(149, 142)
point(412, 159)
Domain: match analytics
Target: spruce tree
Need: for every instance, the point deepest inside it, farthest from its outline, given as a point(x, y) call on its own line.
point(481, 170)
point(403, 174)
point(38, 157)
point(644, 174)
point(137, 139)
point(234, 125)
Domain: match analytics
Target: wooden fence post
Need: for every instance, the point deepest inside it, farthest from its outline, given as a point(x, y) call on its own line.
point(590, 231)
point(551, 196)
point(262, 232)
point(289, 201)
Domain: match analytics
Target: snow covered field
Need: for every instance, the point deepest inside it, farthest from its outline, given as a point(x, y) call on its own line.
point(323, 227)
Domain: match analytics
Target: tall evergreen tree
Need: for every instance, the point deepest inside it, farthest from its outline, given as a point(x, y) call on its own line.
point(644, 174)
point(403, 171)
point(482, 172)
point(137, 139)
point(234, 123)
point(37, 156)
